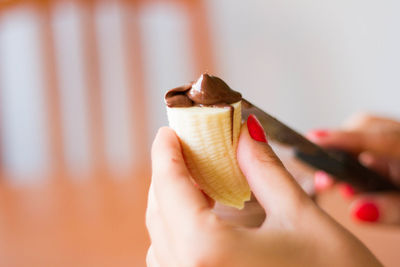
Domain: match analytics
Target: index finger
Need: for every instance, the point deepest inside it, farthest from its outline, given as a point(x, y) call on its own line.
point(176, 194)
point(384, 144)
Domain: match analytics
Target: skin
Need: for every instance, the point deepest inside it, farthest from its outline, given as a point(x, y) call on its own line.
point(376, 143)
point(185, 232)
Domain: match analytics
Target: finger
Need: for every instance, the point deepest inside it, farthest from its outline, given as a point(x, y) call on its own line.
point(378, 164)
point(363, 121)
point(347, 190)
point(151, 260)
point(275, 189)
point(349, 141)
point(387, 167)
point(384, 144)
point(175, 192)
point(323, 181)
point(162, 243)
point(381, 208)
point(370, 123)
point(394, 171)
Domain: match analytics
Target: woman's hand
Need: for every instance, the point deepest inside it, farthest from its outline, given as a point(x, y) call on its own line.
point(376, 143)
point(185, 232)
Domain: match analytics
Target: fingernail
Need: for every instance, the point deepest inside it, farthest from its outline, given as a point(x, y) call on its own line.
point(317, 134)
point(366, 211)
point(366, 159)
point(256, 130)
point(347, 191)
point(322, 181)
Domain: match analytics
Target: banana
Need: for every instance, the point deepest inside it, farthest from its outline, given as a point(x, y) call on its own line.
point(209, 138)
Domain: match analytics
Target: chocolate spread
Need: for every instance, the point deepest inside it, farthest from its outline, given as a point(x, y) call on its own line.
point(212, 92)
point(209, 91)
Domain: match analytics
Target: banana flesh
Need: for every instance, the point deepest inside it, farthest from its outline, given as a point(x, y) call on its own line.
point(209, 138)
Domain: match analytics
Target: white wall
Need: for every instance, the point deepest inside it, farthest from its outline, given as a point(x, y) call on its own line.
point(311, 63)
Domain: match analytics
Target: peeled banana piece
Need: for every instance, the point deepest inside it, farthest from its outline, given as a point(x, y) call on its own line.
point(209, 138)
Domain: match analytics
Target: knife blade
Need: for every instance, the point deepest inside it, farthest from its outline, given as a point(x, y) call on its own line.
point(339, 164)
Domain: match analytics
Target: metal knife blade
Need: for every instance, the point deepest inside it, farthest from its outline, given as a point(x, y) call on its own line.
point(337, 163)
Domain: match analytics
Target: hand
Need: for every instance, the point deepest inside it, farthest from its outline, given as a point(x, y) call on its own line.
point(185, 232)
point(376, 143)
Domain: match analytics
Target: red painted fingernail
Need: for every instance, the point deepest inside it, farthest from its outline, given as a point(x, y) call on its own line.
point(347, 191)
point(256, 130)
point(366, 211)
point(322, 181)
point(317, 134)
point(321, 133)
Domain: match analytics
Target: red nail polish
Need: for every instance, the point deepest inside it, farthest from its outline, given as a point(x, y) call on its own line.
point(347, 191)
point(321, 133)
point(366, 211)
point(317, 134)
point(322, 181)
point(256, 130)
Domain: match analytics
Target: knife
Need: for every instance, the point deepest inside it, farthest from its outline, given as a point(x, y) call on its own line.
point(339, 164)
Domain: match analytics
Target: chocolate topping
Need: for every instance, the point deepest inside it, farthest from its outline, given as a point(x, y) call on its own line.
point(211, 92)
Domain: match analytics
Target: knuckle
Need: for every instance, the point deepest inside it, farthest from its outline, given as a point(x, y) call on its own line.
point(365, 117)
point(361, 119)
point(211, 226)
point(207, 254)
point(175, 160)
point(211, 245)
point(172, 167)
point(268, 157)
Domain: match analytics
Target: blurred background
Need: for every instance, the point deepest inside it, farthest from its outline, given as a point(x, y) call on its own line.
point(81, 97)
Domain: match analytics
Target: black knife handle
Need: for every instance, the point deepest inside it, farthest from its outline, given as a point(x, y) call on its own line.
point(346, 168)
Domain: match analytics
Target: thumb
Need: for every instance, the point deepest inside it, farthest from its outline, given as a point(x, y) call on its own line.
point(273, 186)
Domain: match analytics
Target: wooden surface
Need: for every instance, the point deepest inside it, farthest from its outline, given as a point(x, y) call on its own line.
point(383, 241)
point(100, 222)
point(92, 222)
